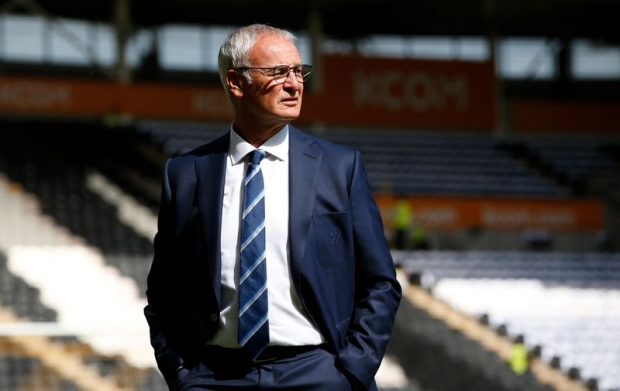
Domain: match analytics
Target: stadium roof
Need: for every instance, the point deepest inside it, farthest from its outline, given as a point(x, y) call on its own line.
point(596, 19)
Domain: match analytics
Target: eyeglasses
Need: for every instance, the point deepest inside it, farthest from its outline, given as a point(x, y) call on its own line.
point(281, 72)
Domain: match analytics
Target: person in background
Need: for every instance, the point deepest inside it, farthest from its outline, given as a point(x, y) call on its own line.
point(519, 356)
point(401, 223)
point(331, 286)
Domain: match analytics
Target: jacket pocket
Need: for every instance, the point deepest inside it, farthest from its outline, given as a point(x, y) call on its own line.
point(334, 238)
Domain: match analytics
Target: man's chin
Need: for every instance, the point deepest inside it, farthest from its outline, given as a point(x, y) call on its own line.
point(290, 114)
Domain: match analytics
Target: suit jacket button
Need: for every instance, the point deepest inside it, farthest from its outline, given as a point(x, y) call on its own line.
point(214, 317)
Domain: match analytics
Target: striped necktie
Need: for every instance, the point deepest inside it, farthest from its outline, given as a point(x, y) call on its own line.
point(253, 323)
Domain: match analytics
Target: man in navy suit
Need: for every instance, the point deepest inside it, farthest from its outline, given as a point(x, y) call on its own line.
point(332, 287)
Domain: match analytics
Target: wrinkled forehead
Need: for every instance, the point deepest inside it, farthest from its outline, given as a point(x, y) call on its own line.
point(271, 50)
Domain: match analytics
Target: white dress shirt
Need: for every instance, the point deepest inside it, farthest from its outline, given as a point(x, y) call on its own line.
point(288, 322)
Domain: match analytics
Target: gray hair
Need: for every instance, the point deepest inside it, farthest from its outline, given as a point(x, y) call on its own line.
point(235, 49)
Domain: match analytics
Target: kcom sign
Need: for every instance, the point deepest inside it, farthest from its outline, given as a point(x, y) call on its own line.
point(396, 90)
point(404, 93)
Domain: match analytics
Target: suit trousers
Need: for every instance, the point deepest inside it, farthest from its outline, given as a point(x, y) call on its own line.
point(310, 370)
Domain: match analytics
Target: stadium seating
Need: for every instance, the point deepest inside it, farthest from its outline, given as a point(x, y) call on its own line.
point(81, 199)
point(402, 162)
point(566, 303)
point(441, 358)
point(574, 160)
point(59, 223)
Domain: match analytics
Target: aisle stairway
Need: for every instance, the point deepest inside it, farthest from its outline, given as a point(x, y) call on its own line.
point(90, 300)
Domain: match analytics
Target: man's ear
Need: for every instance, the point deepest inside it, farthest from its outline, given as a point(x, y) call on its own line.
point(235, 81)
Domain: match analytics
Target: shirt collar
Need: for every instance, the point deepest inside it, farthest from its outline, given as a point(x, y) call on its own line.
point(276, 146)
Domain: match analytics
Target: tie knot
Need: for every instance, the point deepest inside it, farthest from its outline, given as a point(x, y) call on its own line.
point(256, 156)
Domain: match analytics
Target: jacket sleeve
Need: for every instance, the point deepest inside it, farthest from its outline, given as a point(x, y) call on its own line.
point(378, 292)
point(160, 292)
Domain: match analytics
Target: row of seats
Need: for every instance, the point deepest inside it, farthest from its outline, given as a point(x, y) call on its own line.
point(593, 270)
point(22, 372)
point(27, 373)
point(427, 163)
point(566, 303)
point(441, 359)
point(60, 185)
point(576, 160)
point(22, 297)
point(47, 202)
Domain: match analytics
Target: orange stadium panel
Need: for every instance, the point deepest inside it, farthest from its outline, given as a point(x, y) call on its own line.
point(409, 93)
point(565, 117)
point(357, 91)
point(68, 97)
point(34, 95)
point(445, 214)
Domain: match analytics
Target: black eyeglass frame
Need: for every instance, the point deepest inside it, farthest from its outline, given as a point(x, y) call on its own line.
point(298, 70)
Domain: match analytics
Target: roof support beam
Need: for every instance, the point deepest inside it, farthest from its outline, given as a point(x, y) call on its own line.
point(122, 18)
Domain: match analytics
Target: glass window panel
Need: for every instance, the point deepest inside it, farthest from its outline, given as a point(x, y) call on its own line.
point(337, 46)
point(104, 44)
point(23, 39)
point(595, 61)
point(305, 48)
point(183, 47)
point(212, 38)
point(431, 47)
point(382, 46)
point(139, 46)
point(69, 42)
point(526, 58)
point(180, 48)
point(442, 48)
point(472, 48)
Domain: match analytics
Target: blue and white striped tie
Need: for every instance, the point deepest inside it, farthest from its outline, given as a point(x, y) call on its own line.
point(253, 322)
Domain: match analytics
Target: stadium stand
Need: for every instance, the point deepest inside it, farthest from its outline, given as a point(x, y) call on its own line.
point(564, 304)
point(442, 358)
point(446, 164)
point(87, 207)
point(573, 161)
point(64, 254)
point(79, 188)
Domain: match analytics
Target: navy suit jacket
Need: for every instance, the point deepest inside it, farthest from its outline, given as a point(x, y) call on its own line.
point(340, 260)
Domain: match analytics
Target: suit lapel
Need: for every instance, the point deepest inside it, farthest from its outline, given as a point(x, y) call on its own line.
point(210, 175)
point(305, 161)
